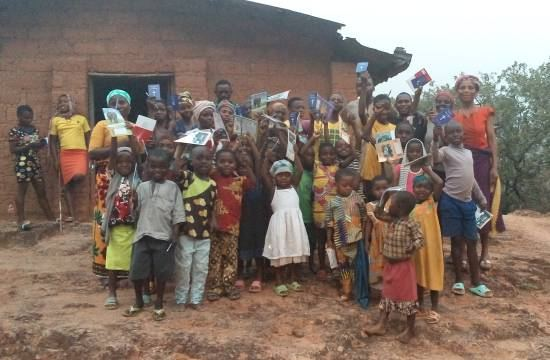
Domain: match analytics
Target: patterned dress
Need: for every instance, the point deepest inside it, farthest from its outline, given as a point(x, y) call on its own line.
point(27, 163)
point(324, 189)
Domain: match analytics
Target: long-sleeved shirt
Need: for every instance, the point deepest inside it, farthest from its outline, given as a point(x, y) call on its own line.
point(402, 238)
point(460, 182)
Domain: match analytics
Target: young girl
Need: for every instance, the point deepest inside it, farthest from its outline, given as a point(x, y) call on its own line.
point(411, 165)
point(118, 227)
point(324, 189)
point(185, 110)
point(348, 159)
point(429, 259)
point(24, 145)
point(375, 231)
point(402, 239)
point(227, 214)
point(286, 242)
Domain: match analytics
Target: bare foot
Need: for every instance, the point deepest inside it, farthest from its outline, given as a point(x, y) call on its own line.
point(405, 337)
point(377, 329)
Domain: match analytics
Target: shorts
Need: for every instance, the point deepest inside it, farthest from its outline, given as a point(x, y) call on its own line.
point(149, 255)
point(458, 218)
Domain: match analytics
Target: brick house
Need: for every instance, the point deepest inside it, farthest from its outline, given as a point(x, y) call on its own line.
point(86, 48)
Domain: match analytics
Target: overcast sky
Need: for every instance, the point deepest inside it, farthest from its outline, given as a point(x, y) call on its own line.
point(445, 37)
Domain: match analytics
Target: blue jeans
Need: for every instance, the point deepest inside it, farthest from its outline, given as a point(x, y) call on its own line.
point(191, 269)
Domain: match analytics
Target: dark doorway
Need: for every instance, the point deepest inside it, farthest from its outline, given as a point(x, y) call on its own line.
point(134, 84)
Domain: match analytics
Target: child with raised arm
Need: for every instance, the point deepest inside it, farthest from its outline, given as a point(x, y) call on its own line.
point(345, 218)
point(403, 238)
point(193, 249)
point(25, 143)
point(119, 224)
point(160, 214)
point(457, 206)
point(429, 259)
point(286, 242)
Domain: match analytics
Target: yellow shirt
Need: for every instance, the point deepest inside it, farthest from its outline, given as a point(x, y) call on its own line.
point(101, 137)
point(70, 131)
point(370, 167)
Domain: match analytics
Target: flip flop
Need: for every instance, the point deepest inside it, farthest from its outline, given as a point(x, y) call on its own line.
point(159, 314)
point(281, 290)
point(25, 226)
point(239, 284)
point(295, 286)
point(132, 311)
point(111, 303)
point(255, 287)
point(433, 317)
point(482, 291)
point(212, 296)
point(458, 289)
point(234, 294)
point(485, 265)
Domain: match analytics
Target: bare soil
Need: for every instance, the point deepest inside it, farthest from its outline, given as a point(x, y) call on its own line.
point(52, 308)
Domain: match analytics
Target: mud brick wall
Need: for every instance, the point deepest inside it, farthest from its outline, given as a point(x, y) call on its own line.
point(50, 47)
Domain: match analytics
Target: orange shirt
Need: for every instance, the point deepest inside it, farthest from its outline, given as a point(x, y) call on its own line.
point(475, 126)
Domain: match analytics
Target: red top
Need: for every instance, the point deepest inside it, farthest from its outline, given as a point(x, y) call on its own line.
point(475, 126)
point(227, 208)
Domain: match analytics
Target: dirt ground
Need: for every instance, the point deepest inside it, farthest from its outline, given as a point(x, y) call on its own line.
point(53, 309)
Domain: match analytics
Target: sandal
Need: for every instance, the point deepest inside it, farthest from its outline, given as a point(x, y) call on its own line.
point(111, 303)
point(255, 287)
point(281, 290)
point(234, 294)
point(295, 286)
point(25, 226)
point(485, 265)
point(159, 314)
point(212, 296)
point(239, 284)
point(458, 289)
point(132, 311)
point(482, 291)
point(433, 317)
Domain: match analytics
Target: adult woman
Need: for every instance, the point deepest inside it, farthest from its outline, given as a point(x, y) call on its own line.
point(480, 138)
point(99, 151)
point(70, 133)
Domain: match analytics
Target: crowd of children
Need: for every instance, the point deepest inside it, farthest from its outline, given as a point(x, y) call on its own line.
point(200, 215)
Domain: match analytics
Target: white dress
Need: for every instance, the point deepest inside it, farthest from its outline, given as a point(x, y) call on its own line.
point(286, 241)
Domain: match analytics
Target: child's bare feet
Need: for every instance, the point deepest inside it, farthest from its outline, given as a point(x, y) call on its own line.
point(406, 336)
point(376, 329)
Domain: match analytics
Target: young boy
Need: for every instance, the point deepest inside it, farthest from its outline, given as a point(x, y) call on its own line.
point(305, 195)
point(403, 238)
point(193, 250)
point(160, 213)
point(345, 219)
point(457, 206)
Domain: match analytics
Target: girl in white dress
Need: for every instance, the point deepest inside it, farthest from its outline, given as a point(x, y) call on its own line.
point(286, 242)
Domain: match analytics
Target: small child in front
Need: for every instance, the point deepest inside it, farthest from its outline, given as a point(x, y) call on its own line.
point(160, 213)
point(457, 206)
point(193, 249)
point(345, 218)
point(403, 238)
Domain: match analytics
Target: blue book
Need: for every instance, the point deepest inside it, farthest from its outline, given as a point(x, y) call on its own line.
point(443, 117)
point(293, 119)
point(312, 101)
point(362, 67)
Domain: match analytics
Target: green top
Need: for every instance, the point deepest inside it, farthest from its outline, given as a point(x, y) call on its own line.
point(305, 194)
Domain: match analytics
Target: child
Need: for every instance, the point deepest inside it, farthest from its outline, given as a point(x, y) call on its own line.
point(193, 249)
point(305, 194)
point(286, 242)
point(403, 238)
point(345, 220)
point(349, 159)
point(324, 189)
point(25, 142)
point(226, 109)
point(375, 231)
point(185, 109)
point(457, 206)
point(411, 166)
point(379, 123)
point(404, 132)
point(429, 259)
point(227, 214)
point(160, 213)
point(253, 220)
point(118, 227)
point(406, 109)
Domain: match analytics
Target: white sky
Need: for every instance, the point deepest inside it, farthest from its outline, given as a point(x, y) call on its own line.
point(445, 37)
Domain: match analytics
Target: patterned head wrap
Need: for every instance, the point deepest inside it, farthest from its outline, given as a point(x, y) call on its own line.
point(186, 98)
point(472, 78)
point(121, 93)
point(445, 94)
point(200, 106)
point(225, 103)
point(281, 166)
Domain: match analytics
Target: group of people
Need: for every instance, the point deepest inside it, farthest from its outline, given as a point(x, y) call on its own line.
point(201, 215)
